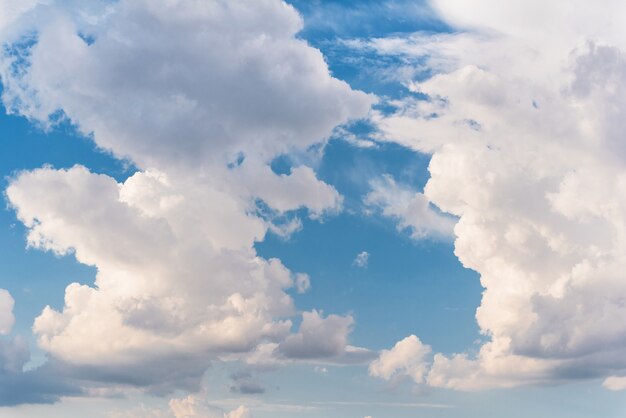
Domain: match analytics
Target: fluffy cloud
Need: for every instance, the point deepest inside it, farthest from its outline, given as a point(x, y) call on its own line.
point(318, 337)
point(525, 121)
point(406, 358)
point(411, 209)
point(200, 97)
point(161, 287)
point(193, 82)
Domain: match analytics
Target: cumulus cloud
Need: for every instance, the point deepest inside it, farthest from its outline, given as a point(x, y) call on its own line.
point(406, 359)
point(154, 297)
point(200, 97)
point(205, 74)
point(525, 126)
point(318, 337)
point(410, 208)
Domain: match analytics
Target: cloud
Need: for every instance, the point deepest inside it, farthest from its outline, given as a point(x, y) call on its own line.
point(152, 291)
point(241, 412)
point(6, 312)
point(361, 259)
point(194, 407)
point(10, 11)
point(524, 124)
point(230, 99)
point(406, 359)
point(17, 386)
point(615, 383)
point(199, 97)
point(318, 337)
point(44, 385)
point(244, 383)
point(410, 208)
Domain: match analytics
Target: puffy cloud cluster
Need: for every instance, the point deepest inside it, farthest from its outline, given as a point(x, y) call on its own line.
point(200, 97)
point(318, 337)
point(406, 358)
point(525, 123)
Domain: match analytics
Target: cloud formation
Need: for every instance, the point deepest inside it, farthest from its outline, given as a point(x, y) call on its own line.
point(406, 358)
point(200, 97)
point(318, 337)
point(524, 120)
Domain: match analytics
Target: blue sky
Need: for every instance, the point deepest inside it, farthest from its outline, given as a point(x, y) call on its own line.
point(315, 208)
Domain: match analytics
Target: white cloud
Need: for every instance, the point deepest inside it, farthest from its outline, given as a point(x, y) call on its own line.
point(194, 407)
point(615, 383)
point(406, 359)
point(318, 337)
point(410, 208)
point(525, 122)
point(6, 312)
point(182, 89)
point(230, 98)
point(361, 259)
point(153, 289)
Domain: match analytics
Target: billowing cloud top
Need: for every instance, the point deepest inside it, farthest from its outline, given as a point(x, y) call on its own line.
point(199, 96)
point(528, 151)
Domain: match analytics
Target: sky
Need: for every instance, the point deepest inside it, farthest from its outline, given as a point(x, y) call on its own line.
point(312, 208)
